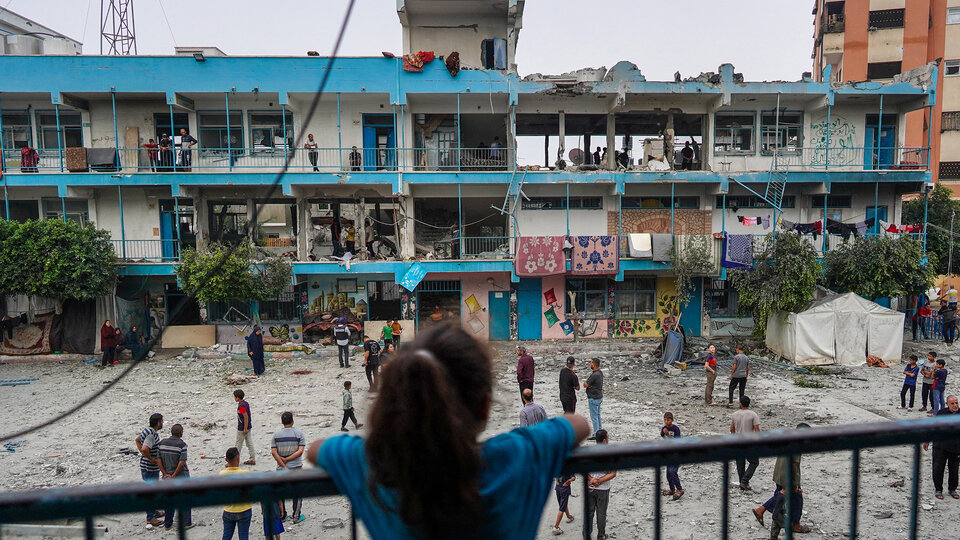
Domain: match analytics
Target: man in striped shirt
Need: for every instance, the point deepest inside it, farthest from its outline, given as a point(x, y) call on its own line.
point(173, 464)
point(148, 444)
point(287, 447)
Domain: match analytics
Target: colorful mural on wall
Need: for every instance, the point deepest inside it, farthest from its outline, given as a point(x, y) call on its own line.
point(667, 310)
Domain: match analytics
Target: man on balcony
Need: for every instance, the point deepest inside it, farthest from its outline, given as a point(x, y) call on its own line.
point(186, 154)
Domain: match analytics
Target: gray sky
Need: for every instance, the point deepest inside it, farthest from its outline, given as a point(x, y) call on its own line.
point(764, 39)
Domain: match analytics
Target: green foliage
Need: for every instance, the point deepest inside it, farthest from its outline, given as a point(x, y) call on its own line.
point(56, 259)
point(939, 208)
point(804, 382)
point(226, 272)
point(878, 267)
point(689, 260)
point(783, 279)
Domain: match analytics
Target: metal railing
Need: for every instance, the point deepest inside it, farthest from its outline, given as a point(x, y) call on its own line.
point(487, 247)
point(147, 250)
point(852, 158)
point(90, 501)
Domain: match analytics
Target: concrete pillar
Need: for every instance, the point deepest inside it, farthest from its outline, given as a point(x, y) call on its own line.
point(588, 158)
point(407, 248)
point(611, 142)
point(304, 229)
point(362, 228)
point(562, 149)
point(201, 215)
point(252, 220)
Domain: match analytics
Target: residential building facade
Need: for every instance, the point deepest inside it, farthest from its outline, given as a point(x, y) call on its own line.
point(411, 202)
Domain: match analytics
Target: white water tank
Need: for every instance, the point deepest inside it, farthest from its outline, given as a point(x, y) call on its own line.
point(22, 45)
point(58, 46)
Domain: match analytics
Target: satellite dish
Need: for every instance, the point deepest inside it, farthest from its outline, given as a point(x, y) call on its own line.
point(576, 156)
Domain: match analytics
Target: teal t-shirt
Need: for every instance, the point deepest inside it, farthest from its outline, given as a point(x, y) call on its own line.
point(515, 482)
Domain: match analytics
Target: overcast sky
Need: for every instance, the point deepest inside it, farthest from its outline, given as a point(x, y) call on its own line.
point(764, 39)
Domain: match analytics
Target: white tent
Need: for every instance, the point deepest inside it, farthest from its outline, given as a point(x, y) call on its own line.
point(837, 329)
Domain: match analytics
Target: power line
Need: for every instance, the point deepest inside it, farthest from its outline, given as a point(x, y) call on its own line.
point(273, 187)
point(170, 28)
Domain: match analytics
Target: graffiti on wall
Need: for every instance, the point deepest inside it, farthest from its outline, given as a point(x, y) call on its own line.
point(731, 327)
point(842, 142)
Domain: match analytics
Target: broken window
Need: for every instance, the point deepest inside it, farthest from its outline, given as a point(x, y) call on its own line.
point(723, 299)
point(950, 121)
point(493, 53)
point(70, 128)
point(636, 297)
point(275, 227)
point(752, 201)
point(384, 300)
point(212, 132)
point(951, 68)
point(560, 203)
point(75, 209)
point(16, 131)
point(660, 202)
point(789, 140)
point(438, 302)
point(228, 222)
point(883, 70)
point(835, 17)
point(886, 18)
point(734, 133)
point(267, 130)
point(949, 170)
point(590, 297)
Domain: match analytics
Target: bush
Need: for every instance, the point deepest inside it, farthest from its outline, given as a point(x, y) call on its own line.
point(222, 272)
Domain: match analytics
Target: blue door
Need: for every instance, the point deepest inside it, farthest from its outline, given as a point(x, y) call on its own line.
point(499, 302)
point(879, 151)
point(878, 212)
point(690, 315)
point(528, 308)
point(379, 142)
point(167, 235)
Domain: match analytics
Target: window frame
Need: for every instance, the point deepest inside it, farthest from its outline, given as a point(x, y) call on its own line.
point(211, 219)
point(752, 130)
point(42, 128)
point(948, 64)
point(897, 72)
point(725, 291)
point(252, 126)
point(219, 149)
point(53, 208)
point(955, 12)
point(789, 201)
point(834, 202)
point(877, 18)
point(785, 131)
point(589, 289)
point(9, 141)
point(621, 290)
point(678, 202)
point(575, 203)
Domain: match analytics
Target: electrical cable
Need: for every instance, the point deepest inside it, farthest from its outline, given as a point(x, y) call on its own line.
point(273, 187)
point(170, 28)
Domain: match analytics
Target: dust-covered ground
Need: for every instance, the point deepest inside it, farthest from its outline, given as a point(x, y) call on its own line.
point(89, 447)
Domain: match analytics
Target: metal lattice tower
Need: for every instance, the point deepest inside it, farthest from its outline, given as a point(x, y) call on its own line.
point(117, 32)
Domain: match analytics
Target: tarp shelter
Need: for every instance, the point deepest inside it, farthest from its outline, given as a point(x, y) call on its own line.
point(837, 329)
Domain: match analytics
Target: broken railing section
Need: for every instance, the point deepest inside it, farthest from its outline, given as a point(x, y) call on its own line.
point(90, 501)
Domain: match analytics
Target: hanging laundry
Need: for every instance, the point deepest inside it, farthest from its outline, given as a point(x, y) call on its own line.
point(738, 251)
point(845, 230)
point(595, 255)
point(453, 63)
point(539, 256)
point(766, 222)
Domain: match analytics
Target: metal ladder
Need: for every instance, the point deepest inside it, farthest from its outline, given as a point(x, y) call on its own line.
point(513, 195)
point(776, 185)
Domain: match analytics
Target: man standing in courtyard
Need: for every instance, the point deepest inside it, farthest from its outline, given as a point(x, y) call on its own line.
point(524, 370)
point(780, 470)
point(341, 333)
point(287, 447)
point(148, 444)
point(946, 455)
point(739, 373)
point(598, 496)
point(710, 366)
point(569, 384)
point(745, 421)
point(594, 386)
point(173, 464)
point(244, 426)
point(531, 413)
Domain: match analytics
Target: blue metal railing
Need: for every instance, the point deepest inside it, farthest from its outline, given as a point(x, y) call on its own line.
point(90, 501)
point(147, 250)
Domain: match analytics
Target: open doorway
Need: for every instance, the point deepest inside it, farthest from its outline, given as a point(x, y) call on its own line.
point(438, 302)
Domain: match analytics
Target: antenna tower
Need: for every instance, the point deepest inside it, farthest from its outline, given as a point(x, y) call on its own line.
point(117, 32)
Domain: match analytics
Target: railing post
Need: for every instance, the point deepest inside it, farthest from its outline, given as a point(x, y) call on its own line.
point(88, 528)
point(656, 503)
point(3, 161)
point(876, 208)
point(826, 155)
point(226, 96)
point(459, 140)
point(339, 134)
point(725, 502)
point(59, 136)
point(788, 501)
point(915, 494)
point(176, 227)
point(173, 140)
point(123, 236)
point(854, 492)
point(460, 225)
point(672, 186)
point(283, 116)
point(116, 133)
point(63, 209)
point(929, 136)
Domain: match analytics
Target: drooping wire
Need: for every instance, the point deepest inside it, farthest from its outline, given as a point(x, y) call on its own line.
point(152, 343)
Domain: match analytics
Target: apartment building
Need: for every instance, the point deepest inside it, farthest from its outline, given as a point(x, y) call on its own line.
point(410, 203)
point(876, 40)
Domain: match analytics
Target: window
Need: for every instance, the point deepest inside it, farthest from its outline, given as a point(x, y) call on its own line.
point(636, 298)
point(883, 70)
point(752, 201)
point(560, 203)
point(71, 126)
point(835, 19)
point(953, 15)
point(660, 202)
point(16, 130)
point(266, 130)
point(833, 201)
point(951, 68)
point(790, 139)
point(285, 307)
point(76, 209)
point(950, 121)
point(590, 298)
point(212, 132)
point(228, 222)
point(723, 299)
point(229, 311)
point(20, 210)
point(886, 18)
point(734, 133)
point(493, 53)
point(949, 170)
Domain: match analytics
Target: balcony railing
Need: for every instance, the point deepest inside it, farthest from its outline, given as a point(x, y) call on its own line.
point(90, 501)
point(487, 247)
point(147, 250)
point(853, 158)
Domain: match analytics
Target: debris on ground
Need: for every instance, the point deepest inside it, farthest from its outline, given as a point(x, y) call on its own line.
point(236, 378)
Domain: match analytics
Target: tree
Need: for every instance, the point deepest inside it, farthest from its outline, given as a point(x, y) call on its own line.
point(690, 259)
point(222, 272)
point(56, 259)
point(939, 209)
point(783, 279)
point(879, 267)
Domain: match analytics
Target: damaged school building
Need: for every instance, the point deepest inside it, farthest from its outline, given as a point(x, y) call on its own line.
point(411, 201)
